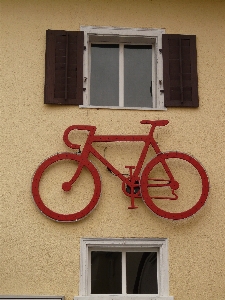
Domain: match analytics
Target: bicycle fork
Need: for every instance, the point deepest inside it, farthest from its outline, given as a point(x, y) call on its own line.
point(66, 186)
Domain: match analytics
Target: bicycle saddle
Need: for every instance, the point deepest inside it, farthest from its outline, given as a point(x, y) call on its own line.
point(155, 123)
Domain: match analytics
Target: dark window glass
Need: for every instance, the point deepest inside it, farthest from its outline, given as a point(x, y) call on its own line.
point(141, 271)
point(106, 272)
point(104, 89)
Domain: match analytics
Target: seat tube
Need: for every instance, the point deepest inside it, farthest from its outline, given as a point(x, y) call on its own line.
point(148, 142)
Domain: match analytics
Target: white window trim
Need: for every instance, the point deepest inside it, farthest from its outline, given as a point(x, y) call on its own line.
point(160, 245)
point(157, 62)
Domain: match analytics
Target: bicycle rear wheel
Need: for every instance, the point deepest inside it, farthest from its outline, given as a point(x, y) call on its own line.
point(190, 189)
point(60, 205)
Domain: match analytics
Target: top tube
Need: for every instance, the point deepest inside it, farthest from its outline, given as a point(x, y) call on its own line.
point(119, 138)
point(130, 138)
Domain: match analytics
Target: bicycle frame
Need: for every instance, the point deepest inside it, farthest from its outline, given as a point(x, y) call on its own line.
point(131, 180)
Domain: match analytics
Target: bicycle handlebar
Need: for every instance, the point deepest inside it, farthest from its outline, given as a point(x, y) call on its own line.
point(66, 140)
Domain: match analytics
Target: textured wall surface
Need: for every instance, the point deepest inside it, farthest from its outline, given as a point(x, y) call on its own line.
point(40, 256)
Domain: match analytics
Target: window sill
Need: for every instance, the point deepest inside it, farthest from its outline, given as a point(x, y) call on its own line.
point(119, 107)
point(123, 297)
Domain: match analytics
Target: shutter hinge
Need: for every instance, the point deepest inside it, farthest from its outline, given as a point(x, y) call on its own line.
point(161, 91)
point(160, 51)
point(85, 47)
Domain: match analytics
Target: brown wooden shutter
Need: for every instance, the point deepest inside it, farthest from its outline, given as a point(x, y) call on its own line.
point(180, 70)
point(64, 67)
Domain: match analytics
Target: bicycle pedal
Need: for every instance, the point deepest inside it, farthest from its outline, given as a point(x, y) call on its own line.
point(132, 207)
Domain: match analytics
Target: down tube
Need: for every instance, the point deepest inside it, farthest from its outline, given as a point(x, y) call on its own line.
point(108, 165)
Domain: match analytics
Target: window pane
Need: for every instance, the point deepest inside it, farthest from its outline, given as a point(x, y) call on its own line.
point(104, 89)
point(141, 271)
point(137, 76)
point(106, 272)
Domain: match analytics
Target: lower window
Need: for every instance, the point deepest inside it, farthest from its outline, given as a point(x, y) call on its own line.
point(139, 271)
point(121, 268)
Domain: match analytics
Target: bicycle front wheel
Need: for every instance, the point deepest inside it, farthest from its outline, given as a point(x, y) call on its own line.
point(60, 205)
point(178, 197)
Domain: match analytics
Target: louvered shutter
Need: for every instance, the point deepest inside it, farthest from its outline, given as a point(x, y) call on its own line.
point(64, 67)
point(180, 70)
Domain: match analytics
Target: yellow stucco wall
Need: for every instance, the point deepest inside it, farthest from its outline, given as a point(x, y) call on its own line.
point(40, 256)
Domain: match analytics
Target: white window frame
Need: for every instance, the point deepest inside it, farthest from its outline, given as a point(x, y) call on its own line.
point(153, 36)
point(159, 245)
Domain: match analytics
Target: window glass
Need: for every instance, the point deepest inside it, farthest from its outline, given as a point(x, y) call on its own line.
point(106, 272)
point(104, 89)
point(137, 76)
point(141, 272)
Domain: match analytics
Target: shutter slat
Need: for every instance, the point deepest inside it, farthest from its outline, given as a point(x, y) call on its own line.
point(64, 67)
point(180, 70)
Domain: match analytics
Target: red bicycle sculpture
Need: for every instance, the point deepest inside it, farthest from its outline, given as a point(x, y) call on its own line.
point(158, 174)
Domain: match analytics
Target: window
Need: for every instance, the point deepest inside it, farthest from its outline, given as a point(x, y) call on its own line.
point(121, 268)
point(121, 68)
